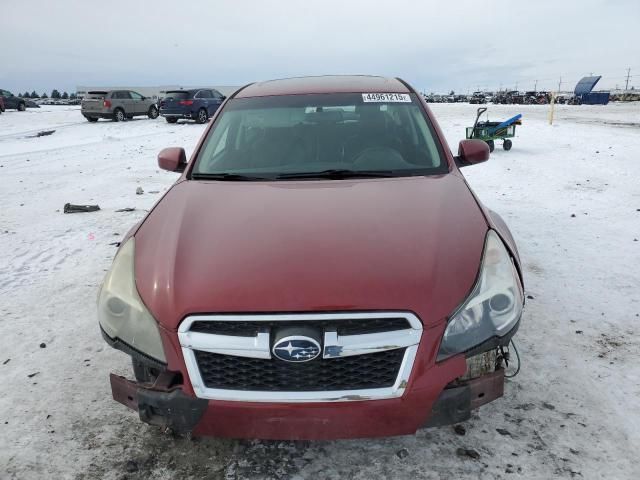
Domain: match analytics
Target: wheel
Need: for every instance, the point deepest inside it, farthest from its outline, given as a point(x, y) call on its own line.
point(153, 112)
point(92, 119)
point(21, 107)
point(171, 119)
point(491, 145)
point(202, 116)
point(507, 144)
point(118, 115)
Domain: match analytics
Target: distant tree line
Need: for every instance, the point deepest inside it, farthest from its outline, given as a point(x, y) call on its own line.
point(54, 94)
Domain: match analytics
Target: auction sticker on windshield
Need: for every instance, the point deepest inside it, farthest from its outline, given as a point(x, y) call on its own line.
point(386, 97)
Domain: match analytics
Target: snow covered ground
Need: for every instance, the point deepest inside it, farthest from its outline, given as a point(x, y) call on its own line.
point(570, 193)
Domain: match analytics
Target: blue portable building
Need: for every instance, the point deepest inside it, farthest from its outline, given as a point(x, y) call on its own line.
point(584, 88)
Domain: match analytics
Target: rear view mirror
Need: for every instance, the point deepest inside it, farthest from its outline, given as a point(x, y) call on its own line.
point(471, 152)
point(173, 159)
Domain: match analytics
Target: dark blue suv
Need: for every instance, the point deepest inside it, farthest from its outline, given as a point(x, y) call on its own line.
point(197, 104)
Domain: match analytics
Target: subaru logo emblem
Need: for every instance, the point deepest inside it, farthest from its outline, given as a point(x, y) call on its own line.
point(296, 348)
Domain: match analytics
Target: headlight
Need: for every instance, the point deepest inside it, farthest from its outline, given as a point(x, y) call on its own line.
point(494, 306)
point(121, 312)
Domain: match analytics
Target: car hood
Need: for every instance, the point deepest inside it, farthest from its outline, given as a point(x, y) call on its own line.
point(410, 243)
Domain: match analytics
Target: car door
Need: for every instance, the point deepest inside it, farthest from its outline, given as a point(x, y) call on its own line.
point(127, 102)
point(137, 103)
point(218, 98)
point(202, 101)
point(121, 100)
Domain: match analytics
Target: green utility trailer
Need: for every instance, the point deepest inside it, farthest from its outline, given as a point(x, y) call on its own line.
point(491, 131)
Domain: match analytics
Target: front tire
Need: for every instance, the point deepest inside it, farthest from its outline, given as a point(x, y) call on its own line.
point(492, 145)
point(507, 145)
point(153, 112)
point(22, 107)
point(202, 116)
point(119, 115)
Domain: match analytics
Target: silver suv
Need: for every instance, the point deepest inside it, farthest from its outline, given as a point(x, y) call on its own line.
point(117, 105)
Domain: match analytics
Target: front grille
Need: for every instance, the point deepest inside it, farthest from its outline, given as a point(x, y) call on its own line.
point(347, 326)
point(374, 370)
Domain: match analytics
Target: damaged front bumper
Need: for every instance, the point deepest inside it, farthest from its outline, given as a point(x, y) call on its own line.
point(166, 405)
point(437, 394)
point(455, 404)
point(160, 404)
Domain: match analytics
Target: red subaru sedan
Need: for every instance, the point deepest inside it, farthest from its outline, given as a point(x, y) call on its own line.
point(321, 269)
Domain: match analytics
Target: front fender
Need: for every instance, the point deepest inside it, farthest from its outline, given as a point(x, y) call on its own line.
point(501, 227)
point(495, 222)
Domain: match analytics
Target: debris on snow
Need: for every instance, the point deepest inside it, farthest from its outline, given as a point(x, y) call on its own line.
point(459, 429)
point(468, 452)
point(71, 208)
point(43, 133)
point(402, 453)
point(131, 466)
point(139, 191)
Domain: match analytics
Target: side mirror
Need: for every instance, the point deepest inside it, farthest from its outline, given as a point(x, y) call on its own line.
point(172, 159)
point(471, 152)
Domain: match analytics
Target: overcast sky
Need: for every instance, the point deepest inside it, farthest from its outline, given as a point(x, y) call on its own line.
point(435, 45)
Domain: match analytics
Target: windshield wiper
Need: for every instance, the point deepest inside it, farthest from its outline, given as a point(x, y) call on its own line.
point(237, 177)
point(339, 174)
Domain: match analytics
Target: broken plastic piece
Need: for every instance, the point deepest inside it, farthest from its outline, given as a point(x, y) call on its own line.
point(44, 133)
point(71, 208)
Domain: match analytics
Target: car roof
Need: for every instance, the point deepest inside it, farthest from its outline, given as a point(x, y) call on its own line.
point(186, 90)
point(324, 84)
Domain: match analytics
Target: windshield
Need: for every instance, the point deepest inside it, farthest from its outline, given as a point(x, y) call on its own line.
point(282, 137)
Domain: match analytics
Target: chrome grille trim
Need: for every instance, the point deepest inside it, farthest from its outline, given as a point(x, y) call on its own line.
point(334, 346)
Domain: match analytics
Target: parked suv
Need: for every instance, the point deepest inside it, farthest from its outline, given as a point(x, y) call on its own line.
point(117, 105)
point(321, 269)
point(197, 104)
point(11, 101)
